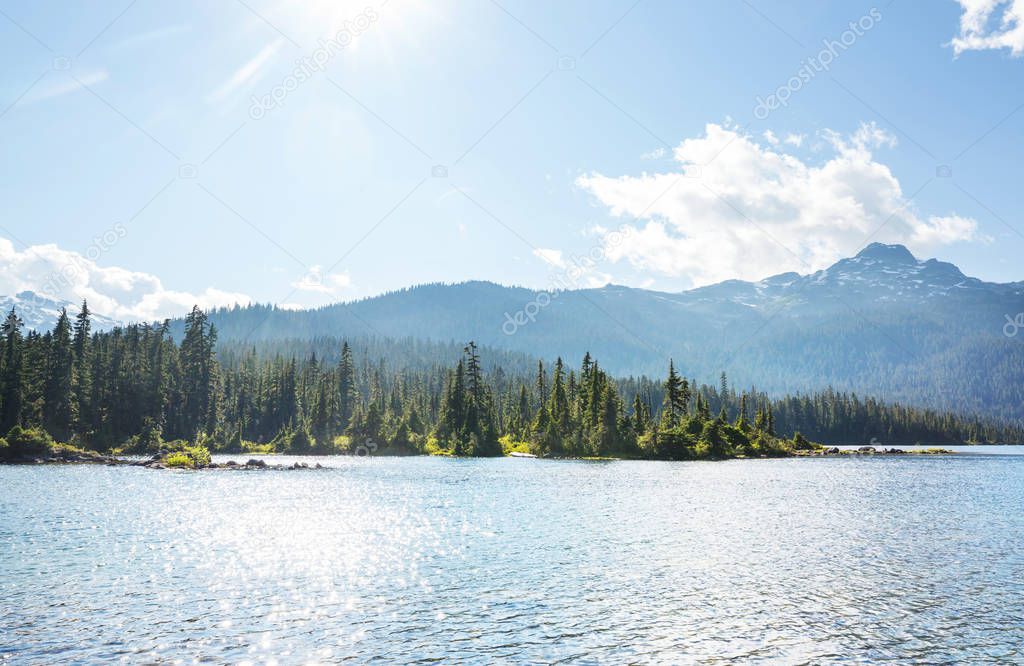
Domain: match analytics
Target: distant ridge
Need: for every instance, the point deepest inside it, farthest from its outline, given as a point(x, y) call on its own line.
point(881, 323)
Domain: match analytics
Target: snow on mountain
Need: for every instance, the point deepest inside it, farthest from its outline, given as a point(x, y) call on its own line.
point(40, 313)
point(880, 273)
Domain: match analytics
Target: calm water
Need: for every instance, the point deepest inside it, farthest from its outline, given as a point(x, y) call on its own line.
point(417, 559)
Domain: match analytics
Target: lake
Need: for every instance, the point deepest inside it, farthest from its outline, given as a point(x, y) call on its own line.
point(511, 560)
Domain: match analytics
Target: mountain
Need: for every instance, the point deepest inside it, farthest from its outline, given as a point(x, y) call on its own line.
point(881, 323)
point(40, 313)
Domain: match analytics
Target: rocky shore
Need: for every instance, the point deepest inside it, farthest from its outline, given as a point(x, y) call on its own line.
point(872, 451)
point(160, 460)
point(157, 461)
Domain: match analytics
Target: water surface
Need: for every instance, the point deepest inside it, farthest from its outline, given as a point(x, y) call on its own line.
point(510, 560)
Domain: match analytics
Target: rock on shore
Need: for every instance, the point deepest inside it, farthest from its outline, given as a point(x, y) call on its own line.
point(157, 461)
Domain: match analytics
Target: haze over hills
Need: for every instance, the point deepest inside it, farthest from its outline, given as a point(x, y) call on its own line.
point(881, 323)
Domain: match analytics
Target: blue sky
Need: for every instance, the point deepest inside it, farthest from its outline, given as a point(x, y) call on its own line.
point(503, 141)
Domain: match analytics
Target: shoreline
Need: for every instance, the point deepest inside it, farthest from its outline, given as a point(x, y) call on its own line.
point(158, 461)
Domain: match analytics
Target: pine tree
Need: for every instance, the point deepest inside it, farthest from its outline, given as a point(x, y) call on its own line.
point(81, 376)
point(199, 371)
point(475, 394)
point(559, 403)
point(703, 408)
point(320, 422)
point(11, 387)
point(453, 410)
point(57, 395)
point(761, 419)
point(347, 396)
point(741, 419)
point(676, 399)
point(541, 383)
point(480, 424)
point(522, 414)
point(610, 440)
point(639, 416)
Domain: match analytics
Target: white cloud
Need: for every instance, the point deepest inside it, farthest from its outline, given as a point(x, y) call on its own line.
point(860, 144)
point(991, 24)
point(598, 280)
point(65, 86)
point(114, 292)
point(794, 139)
point(550, 257)
point(947, 229)
point(318, 282)
point(144, 38)
point(247, 72)
point(754, 211)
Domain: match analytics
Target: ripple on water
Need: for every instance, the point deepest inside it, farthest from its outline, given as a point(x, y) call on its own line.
point(811, 560)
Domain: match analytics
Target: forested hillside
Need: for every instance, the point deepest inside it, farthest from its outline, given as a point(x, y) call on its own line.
point(882, 323)
point(134, 387)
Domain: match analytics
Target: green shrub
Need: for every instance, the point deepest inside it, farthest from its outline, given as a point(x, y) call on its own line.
point(714, 441)
point(770, 447)
point(60, 448)
point(800, 443)
point(738, 441)
point(297, 441)
point(433, 447)
point(148, 440)
point(253, 447)
point(673, 443)
point(188, 457)
point(28, 442)
point(510, 445)
point(179, 460)
point(233, 444)
point(200, 454)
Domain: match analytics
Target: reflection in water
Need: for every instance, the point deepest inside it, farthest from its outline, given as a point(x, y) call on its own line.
point(513, 560)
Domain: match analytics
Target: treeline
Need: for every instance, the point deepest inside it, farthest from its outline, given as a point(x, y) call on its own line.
point(135, 387)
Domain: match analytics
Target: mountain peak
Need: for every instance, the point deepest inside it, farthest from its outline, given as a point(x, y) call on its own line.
point(897, 254)
point(39, 312)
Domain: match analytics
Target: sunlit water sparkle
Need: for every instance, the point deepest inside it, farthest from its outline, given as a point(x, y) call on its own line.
point(512, 560)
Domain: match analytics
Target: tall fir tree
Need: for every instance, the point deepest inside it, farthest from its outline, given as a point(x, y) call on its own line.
point(676, 400)
point(58, 411)
point(11, 380)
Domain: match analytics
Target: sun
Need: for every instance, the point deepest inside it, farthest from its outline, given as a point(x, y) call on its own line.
point(387, 23)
